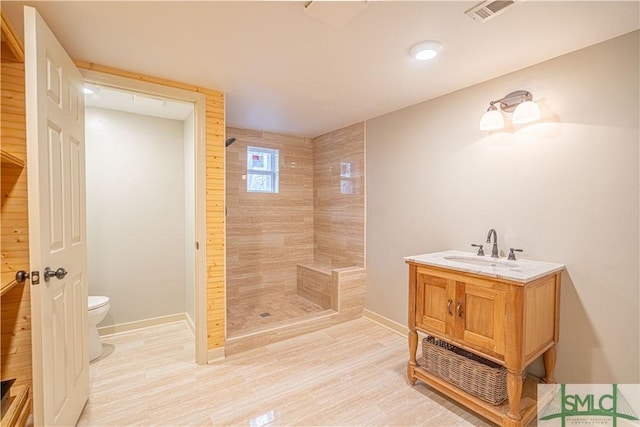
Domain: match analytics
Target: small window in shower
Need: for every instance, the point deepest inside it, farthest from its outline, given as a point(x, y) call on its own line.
point(262, 170)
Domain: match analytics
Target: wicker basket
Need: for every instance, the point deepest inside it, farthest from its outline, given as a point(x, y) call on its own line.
point(475, 375)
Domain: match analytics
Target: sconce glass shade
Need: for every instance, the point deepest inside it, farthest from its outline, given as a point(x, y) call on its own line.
point(526, 112)
point(492, 119)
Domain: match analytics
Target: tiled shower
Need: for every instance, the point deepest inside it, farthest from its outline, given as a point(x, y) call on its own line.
point(284, 248)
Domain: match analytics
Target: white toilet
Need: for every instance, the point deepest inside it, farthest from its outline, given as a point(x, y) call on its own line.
point(98, 309)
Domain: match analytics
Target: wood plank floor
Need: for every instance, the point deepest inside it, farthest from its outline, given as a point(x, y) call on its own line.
point(352, 374)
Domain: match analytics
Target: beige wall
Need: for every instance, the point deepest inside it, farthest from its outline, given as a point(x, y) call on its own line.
point(565, 189)
point(268, 234)
point(338, 203)
point(135, 214)
point(189, 217)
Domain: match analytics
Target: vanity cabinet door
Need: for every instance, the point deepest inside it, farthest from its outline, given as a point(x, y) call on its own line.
point(480, 316)
point(467, 312)
point(434, 303)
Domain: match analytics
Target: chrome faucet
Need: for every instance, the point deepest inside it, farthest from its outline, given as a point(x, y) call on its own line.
point(494, 250)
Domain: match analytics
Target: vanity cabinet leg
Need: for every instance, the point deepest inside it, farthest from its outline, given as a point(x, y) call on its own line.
point(549, 360)
point(413, 346)
point(514, 394)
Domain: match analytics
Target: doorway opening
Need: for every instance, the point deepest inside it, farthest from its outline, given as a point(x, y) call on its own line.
point(145, 204)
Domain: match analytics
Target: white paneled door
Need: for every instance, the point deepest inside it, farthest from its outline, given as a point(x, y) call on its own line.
point(57, 227)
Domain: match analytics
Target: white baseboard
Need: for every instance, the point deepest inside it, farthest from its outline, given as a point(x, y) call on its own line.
point(392, 325)
point(141, 324)
point(190, 324)
point(215, 354)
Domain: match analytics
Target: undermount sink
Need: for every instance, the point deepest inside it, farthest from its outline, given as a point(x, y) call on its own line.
point(485, 262)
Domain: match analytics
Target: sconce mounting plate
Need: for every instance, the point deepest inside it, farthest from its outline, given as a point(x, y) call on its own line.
point(511, 101)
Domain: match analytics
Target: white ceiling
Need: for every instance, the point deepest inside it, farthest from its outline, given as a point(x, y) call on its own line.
point(285, 71)
point(114, 99)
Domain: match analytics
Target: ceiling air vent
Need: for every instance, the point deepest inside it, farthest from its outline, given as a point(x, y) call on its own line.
point(489, 9)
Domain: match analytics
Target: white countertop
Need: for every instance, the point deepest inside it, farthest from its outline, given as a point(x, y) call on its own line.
point(520, 270)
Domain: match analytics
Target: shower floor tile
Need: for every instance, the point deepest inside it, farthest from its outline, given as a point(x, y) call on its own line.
point(249, 312)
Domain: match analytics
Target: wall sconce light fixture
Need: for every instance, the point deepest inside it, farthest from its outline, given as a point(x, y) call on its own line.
point(519, 103)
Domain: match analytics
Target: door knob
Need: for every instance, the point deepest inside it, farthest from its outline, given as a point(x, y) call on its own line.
point(21, 276)
point(58, 274)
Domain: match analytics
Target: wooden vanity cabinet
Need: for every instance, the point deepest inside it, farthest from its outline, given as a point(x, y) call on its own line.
point(508, 322)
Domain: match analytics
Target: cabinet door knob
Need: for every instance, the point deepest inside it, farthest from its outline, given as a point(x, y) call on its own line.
point(449, 302)
point(459, 310)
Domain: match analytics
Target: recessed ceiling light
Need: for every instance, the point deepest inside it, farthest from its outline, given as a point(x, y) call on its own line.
point(425, 50)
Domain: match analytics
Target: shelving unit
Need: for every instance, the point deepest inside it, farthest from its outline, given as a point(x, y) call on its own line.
point(15, 298)
point(12, 48)
point(19, 408)
point(7, 286)
point(9, 159)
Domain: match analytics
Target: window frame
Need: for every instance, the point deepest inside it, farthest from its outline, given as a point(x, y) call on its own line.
point(274, 171)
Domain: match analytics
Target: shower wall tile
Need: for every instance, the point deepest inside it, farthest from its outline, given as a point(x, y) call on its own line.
point(268, 234)
point(351, 296)
point(315, 284)
point(338, 203)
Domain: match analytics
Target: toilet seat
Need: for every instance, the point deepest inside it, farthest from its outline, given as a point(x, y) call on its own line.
point(97, 302)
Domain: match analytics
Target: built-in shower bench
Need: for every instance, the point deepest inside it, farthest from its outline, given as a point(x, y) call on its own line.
point(314, 284)
point(331, 287)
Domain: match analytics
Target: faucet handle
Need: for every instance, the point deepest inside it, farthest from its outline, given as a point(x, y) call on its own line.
point(480, 250)
point(512, 255)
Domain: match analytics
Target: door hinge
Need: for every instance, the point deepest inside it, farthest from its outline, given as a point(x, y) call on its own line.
point(197, 245)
